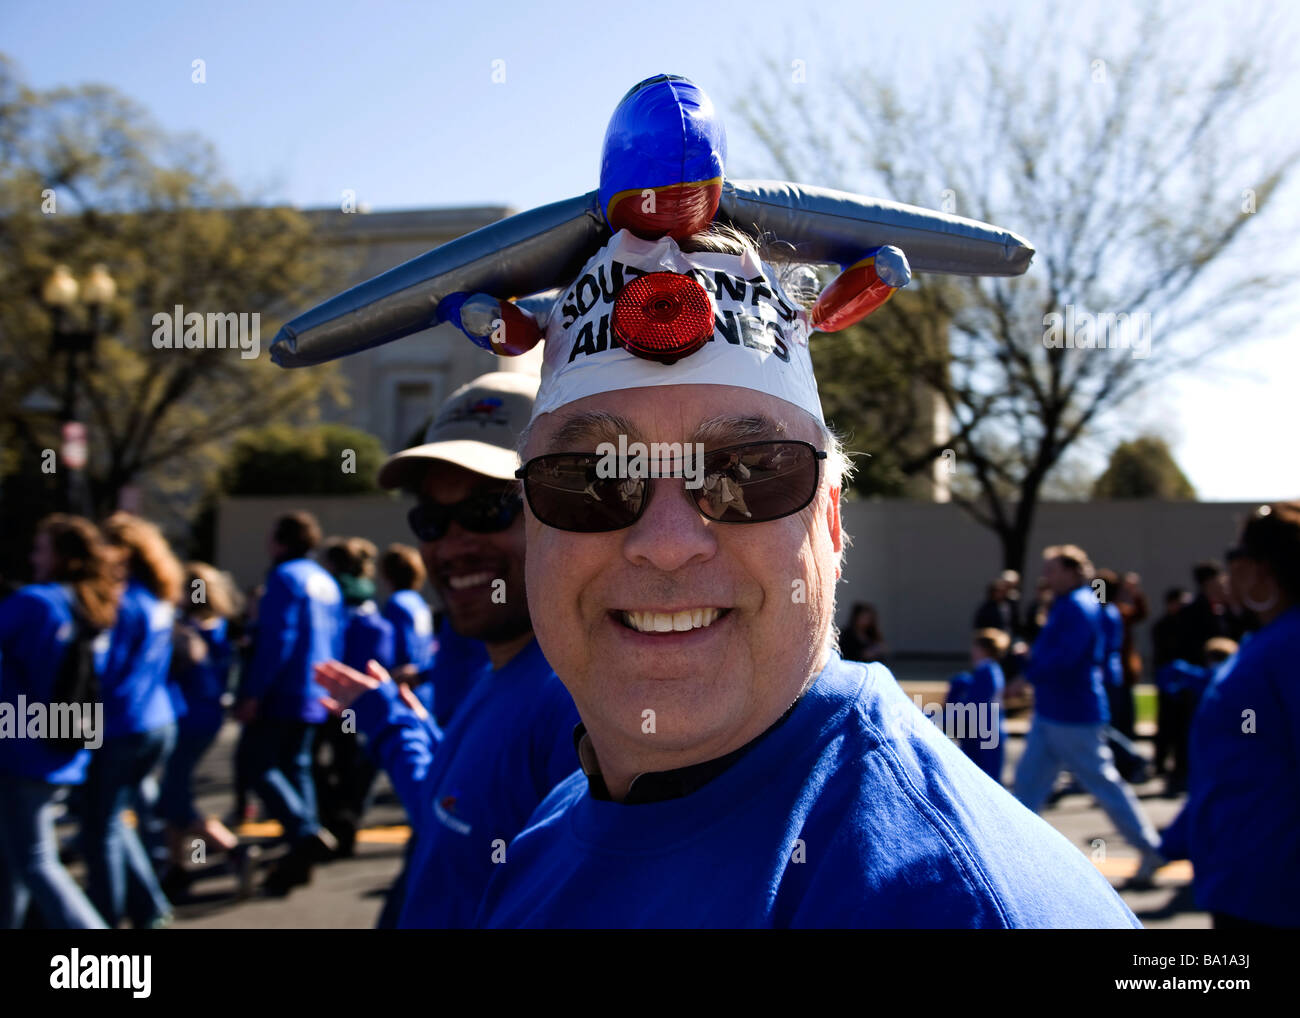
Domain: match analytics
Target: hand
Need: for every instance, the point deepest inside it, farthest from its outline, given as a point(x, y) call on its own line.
point(406, 674)
point(411, 700)
point(347, 685)
point(246, 710)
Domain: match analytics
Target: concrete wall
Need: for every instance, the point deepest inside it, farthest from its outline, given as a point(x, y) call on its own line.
point(924, 565)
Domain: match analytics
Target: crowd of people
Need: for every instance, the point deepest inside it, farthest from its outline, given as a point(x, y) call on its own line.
point(1077, 649)
point(633, 713)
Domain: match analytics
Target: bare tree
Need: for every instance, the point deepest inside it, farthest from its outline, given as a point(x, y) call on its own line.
point(1131, 157)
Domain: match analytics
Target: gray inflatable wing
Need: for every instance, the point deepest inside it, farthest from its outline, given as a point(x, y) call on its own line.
point(544, 248)
point(836, 226)
point(532, 251)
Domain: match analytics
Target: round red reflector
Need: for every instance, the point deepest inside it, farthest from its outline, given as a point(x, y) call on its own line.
point(663, 316)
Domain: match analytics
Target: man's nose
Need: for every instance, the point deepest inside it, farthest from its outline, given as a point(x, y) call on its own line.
point(671, 532)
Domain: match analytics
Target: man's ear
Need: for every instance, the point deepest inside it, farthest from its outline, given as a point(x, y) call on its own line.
point(833, 526)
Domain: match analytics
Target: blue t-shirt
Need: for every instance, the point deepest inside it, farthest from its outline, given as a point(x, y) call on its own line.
point(35, 630)
point(412, 629)
point(1243, 801)
point(136, 697)
point(1067, 662)
point(510, 744)
point(368, 637)
point(854, 812)
point(197, 689)
point(299, 624)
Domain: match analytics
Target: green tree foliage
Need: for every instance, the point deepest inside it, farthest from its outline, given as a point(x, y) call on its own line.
point(86, 178)
point(1143, 468)
point(328, 459)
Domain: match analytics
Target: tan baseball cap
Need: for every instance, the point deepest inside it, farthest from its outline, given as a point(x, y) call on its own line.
point(478, 428)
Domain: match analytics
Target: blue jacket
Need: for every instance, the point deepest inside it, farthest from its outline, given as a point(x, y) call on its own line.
point(1066, 664)
point(136, 696)
point(413, 629)
point(510, 743)
point(367, 637)
point(197, 690)
point(1243, 801)
point(35, 629)
point(299, 624)
point(856, 811)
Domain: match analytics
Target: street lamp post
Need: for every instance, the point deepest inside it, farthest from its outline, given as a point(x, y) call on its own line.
point(73, 308)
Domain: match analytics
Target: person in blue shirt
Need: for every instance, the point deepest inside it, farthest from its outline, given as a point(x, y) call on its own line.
point(470, 789)
point(343, 772)
point(1241, 823)
point(74, 571)
point(1067, 666)
point(412, 621)
point(1131, 765)
point(977, 698)
point(736, 771)
point(300, 623)
point(201, 663)
point(458, 662)
point(139, 729)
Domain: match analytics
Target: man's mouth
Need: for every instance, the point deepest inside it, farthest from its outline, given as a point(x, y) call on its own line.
point(670, 622)
point(464, 581)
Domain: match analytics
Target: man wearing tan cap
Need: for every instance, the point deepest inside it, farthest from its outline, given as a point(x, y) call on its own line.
point(470, 789)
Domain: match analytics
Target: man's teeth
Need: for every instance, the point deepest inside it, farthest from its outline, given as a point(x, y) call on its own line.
point(470, 580)
point(668, 622)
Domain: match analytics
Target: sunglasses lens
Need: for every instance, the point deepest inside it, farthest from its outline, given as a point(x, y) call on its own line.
point(485, 513)
point(757, 482)
point(566, 493)
point(488, 513)
point(428, 521)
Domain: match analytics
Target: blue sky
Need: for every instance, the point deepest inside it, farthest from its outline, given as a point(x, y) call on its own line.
point(397, 102)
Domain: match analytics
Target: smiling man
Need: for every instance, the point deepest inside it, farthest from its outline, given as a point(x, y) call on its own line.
point(736, 772)
point(468, 791)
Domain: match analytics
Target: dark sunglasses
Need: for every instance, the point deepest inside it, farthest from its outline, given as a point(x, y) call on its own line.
point(485, 512)
point(752, 483)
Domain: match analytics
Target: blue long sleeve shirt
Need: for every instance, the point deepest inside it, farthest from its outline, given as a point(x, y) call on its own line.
point(510, 743)
point(458, 662)
point(412, 629)
point(368, 637)
point(1243, 801)
point(1112, 624)
point(135, 690)
point(856, 811)
point(197, 690)
point(35, 630)
point(299, 624)
point(1066, 664)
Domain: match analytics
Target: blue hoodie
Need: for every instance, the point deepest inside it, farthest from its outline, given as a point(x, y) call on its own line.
point(856, 811)
point(1066, 664)
point(35, 629)
point(299, 624)
point(136, 695)
point(510, 743)
point(1243, 789)
point(413, 629)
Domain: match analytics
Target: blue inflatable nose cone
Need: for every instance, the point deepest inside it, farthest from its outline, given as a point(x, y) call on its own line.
point(662, 165)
